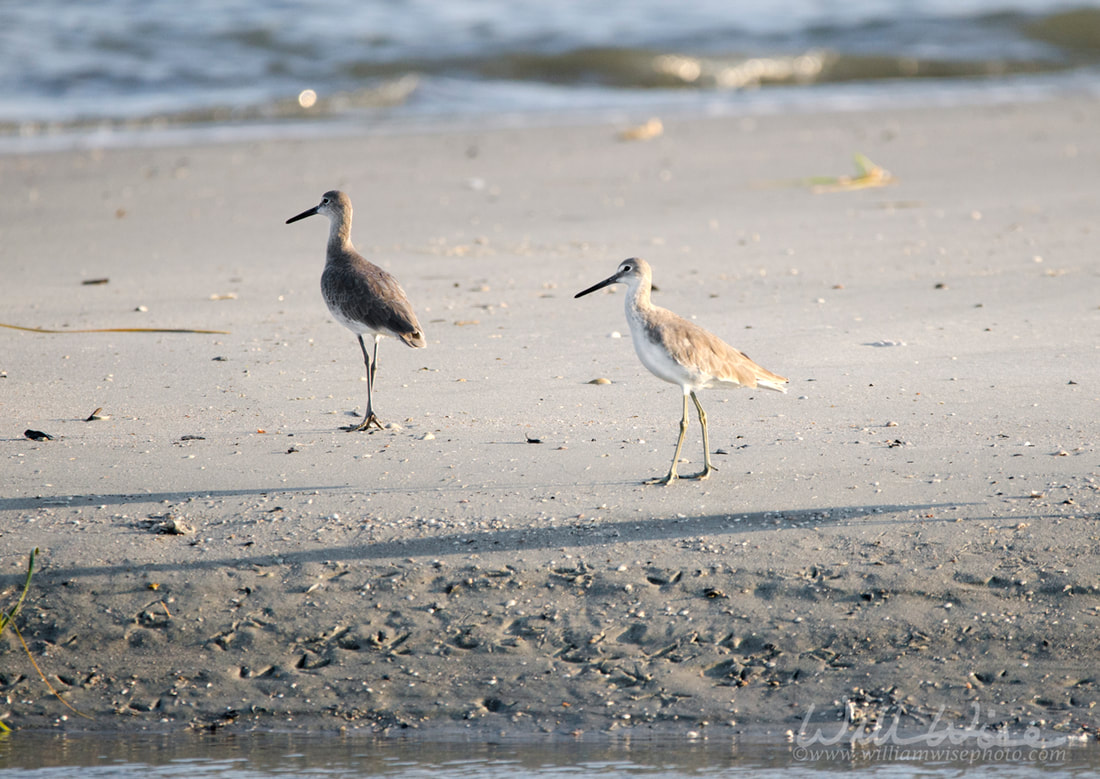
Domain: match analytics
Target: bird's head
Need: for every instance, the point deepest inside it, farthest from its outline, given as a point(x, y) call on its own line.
point(334, 204)
point(631, 272)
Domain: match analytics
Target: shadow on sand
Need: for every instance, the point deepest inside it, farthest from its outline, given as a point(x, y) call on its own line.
point(576, 533)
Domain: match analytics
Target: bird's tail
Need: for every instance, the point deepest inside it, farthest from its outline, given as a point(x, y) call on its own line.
point(769, 380)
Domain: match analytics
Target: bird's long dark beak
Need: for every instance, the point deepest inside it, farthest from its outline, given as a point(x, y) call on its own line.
point(303, 215)
point(606, 282)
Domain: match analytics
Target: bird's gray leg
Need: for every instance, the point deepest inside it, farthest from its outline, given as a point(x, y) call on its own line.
point(707, 468)
point(369, 418)
point(671, 477)
point(374, 362)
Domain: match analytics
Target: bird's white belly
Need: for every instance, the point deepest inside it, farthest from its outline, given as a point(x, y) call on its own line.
point(660, 364)
point(350, 324)
point(359, 328)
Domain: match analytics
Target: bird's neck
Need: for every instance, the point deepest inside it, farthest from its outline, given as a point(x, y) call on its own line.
point(339, 238)
point(637, 298)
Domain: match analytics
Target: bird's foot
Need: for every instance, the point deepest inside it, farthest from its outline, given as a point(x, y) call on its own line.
point(668, 479)
point(368, 420)
point(703, 474)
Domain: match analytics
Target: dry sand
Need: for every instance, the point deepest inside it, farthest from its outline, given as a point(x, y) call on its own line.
point(913, 526)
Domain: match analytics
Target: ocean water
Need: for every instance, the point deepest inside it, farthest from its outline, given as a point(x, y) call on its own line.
point(118, 66)
point(272, 755)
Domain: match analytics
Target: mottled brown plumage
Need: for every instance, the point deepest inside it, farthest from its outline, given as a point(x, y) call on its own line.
point(706, 360)
point(361, 296)
point(682, 353)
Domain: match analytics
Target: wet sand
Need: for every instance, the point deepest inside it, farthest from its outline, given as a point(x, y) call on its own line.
point(912, 527)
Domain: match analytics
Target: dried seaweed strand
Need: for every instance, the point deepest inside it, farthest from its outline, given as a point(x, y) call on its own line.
point(46, 681)
point(116, 330)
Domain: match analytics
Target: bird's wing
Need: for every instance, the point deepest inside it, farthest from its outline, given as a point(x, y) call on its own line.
point(710, 356)
point(373, 296)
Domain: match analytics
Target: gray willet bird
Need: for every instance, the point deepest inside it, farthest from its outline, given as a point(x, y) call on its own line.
point(682, 353)
point(361, 296)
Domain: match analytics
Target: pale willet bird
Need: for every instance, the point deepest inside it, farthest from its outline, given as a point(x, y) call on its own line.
point(682, 353)
point(361, 296)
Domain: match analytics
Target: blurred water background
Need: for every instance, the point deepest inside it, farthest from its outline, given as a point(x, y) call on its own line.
point(115, 67)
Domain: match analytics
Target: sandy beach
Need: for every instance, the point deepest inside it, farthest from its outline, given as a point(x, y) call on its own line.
point(912, 527)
